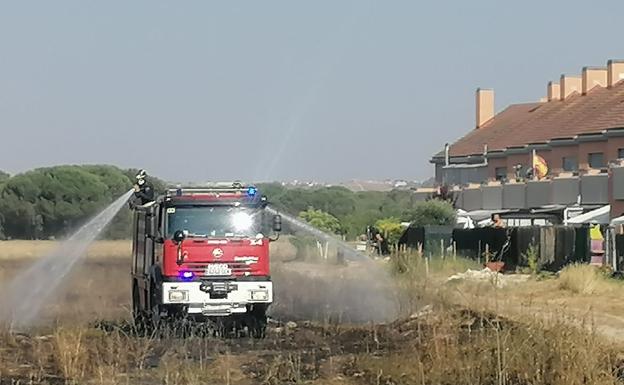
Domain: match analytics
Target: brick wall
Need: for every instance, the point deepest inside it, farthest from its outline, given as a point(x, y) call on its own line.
point(613, 146)
point(512, 160)
point(495, 163)
point(556, 157)
point(586, 148)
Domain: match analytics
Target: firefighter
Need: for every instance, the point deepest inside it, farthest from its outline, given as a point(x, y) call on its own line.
point(381, 244)
point(143, 190)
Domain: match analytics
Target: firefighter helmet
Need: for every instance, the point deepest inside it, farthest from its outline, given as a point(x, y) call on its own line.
point(140, 177)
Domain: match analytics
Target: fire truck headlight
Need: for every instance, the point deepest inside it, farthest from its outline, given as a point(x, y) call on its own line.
point(241, 221)
point(178, 295)
point(259, 295)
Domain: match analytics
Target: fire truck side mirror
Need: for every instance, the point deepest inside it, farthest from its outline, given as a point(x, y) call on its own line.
point(277, 223)
point(178, 236)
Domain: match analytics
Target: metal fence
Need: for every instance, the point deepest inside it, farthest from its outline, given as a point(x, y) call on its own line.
point(552, 246)
point(432, 240)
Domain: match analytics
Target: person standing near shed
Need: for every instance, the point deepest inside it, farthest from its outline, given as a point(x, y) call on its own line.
point(497, 222)
point(597, 244)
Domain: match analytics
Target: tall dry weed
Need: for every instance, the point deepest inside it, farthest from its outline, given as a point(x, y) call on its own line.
point(474, 349)
point(72, 354)
point(584, 279)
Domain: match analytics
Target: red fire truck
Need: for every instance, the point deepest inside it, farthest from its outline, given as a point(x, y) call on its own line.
point(203, 253)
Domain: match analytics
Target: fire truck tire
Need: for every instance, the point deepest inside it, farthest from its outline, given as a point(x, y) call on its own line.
point(256, 321)
point(154, 306)
point(138, 314)
point(224, 327)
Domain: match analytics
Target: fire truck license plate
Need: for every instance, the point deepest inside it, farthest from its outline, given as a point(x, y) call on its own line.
point(218, 269)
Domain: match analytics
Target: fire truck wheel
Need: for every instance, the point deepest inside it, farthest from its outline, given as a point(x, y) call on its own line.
point(155, 308)
point(257, 321)
point(224, 327)
point(138, 315)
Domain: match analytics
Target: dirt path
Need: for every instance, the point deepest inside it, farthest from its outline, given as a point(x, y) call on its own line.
point(546, 302)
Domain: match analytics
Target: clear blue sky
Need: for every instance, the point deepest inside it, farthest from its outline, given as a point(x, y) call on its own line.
point(265, 90)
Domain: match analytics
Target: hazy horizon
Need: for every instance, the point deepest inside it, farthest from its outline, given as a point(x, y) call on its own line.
point(325, 90)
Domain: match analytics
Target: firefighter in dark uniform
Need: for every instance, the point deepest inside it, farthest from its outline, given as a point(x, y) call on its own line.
point(377, 241)
point(143, 190)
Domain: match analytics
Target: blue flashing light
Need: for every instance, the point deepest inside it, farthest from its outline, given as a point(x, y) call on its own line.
point(252, 191)
point(186, 275)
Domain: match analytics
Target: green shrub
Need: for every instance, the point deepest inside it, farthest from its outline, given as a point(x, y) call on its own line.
point(531, 256)
point(432, 212)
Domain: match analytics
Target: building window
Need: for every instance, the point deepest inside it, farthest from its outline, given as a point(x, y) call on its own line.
point(595, 160)
point(620, 153)
point(500, 173)
point(570, 163)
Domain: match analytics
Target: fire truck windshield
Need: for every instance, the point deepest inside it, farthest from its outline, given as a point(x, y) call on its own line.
point(214, 222)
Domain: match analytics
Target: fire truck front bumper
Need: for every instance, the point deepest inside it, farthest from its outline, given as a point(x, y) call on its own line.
point(219, 298)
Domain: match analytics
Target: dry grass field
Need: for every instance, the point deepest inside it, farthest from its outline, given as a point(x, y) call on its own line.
point(85, 336)
point(582, 295)
point(97, 288)
point(17, 250)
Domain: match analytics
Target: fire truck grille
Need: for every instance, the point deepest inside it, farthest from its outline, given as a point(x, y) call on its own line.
point(199, 268)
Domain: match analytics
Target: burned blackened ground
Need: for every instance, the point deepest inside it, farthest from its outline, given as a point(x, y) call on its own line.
point(441, 345)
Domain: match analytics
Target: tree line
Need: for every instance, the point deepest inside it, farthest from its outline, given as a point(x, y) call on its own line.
point(342, 211)
point(51, 202)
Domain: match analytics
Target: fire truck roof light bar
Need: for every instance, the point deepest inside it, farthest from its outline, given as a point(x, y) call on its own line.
point(249, 190)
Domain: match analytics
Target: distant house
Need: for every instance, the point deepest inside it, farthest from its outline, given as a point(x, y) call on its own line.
point(400, 183)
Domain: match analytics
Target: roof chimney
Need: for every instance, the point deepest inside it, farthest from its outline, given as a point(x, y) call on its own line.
point(569, 85)
point(554, 93)
point(615, 71)
point(592, 77)
point(485, 106)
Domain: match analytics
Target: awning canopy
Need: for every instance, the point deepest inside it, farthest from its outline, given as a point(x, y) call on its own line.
point(617, 221)
point(480, 215)
point(548, 209)
point(600, 216)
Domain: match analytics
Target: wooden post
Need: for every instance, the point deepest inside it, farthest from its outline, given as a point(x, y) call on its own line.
point(442, 251)
point(454, 251)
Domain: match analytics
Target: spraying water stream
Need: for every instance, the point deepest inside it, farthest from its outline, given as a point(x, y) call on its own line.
point(27, 294)
point(349, 252)
point(360, 292)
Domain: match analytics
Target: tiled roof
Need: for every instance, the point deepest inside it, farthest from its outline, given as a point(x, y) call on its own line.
point(522, 124)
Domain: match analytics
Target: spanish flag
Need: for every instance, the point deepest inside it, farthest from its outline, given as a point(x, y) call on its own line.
point(540, 167)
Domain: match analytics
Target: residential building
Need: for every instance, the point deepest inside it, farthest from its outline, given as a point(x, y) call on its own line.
point(577, 127)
